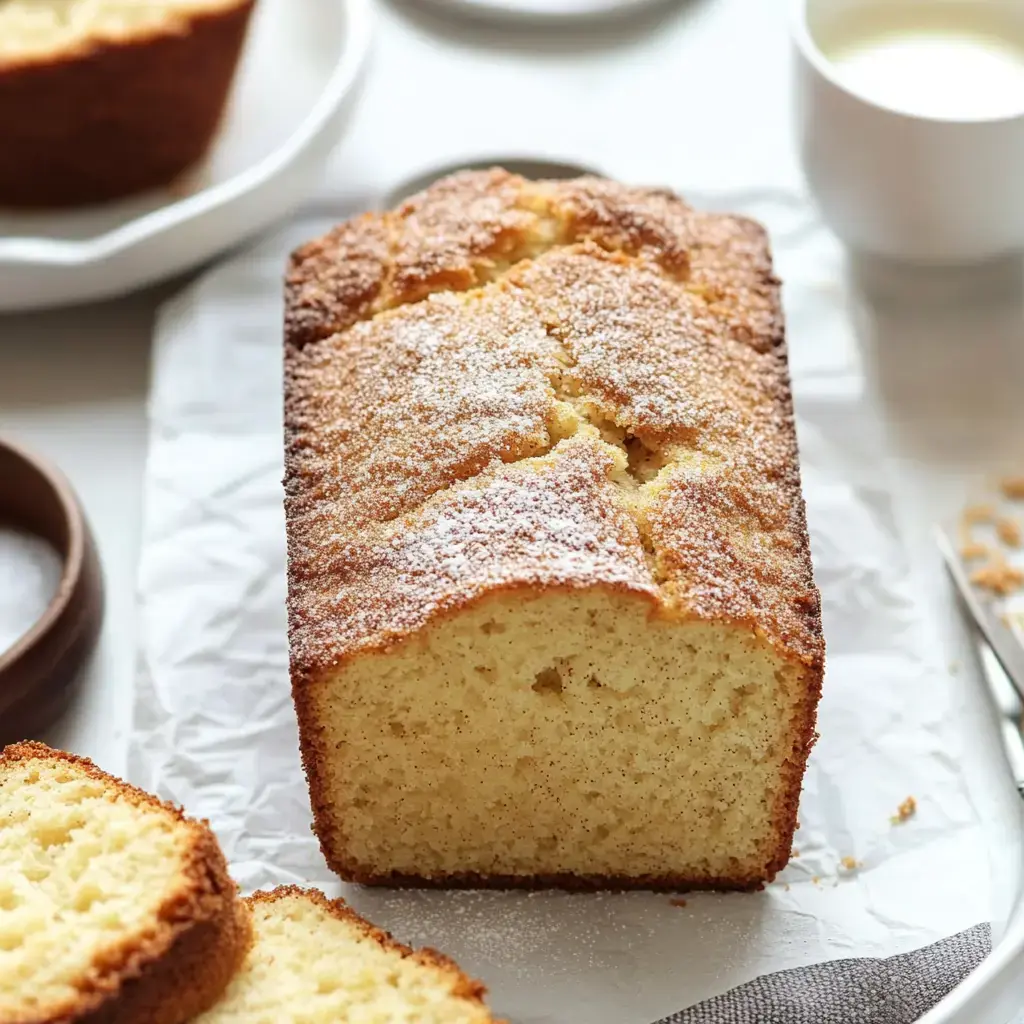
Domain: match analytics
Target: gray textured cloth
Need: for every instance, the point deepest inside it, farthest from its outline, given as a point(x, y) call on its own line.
point(898, 990)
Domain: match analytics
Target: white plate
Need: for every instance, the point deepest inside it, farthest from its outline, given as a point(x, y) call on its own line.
point(528, 167)
point(544, 8)
point(272, 147)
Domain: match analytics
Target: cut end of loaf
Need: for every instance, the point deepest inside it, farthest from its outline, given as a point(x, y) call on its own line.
point(110, 901)
point(572, 738)
point(317, 961)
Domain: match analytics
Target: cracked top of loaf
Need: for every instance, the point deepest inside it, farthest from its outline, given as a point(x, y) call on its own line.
point(508, 384)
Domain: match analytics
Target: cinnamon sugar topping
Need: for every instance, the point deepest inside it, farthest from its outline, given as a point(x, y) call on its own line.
point(508, 384)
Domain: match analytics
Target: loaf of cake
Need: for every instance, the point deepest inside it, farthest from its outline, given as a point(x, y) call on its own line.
point(114, 907)
point(100, 99)
point(551, 610)
point(316, 961)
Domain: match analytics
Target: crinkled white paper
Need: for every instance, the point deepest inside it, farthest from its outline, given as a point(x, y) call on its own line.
point(214, 727)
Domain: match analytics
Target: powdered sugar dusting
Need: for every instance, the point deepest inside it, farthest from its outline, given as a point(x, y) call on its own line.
point(551, 521)
point(658, 325)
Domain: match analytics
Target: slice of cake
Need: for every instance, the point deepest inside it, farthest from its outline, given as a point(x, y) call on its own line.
point(551, 607)
point(316, 961)
point(114, 907)
point(104, 98)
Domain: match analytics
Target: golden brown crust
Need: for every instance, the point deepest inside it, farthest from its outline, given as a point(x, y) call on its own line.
point(427, 395)
point(567, 882)
point(464, 230)
point(428, 350)
point(200, 938)
point(116, 118)
point(462, 986)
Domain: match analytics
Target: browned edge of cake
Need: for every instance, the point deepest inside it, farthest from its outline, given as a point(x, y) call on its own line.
point(463, 986)
point(326, 295)
point(103, 121)
point(199, 939)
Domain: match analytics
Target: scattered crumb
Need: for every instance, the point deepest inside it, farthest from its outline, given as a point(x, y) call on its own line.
point(996, 575)
point(905, 811)
point(972, 550)
point(794, 852)
point(999, 577)
point(979, 514)
point(1009, 531)
point(678, 902)
point(786, 886)
point(850, 863)
point(797, 824)
point(815, 880)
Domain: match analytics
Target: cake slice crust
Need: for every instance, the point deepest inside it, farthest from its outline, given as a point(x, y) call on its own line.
point(48, 30)
point(315, 961)
point(114, 907)
point(103, 99)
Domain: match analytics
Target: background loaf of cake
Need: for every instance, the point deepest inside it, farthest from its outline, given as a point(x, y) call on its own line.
point(552, 615)
point(114, 907)
point(104, 98)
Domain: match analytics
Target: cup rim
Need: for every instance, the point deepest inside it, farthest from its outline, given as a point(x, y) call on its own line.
point(803, 38)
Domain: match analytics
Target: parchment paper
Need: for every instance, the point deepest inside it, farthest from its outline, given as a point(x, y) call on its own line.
point(214, 727)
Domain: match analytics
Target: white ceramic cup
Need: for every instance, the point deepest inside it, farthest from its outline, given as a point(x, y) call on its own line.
point(903, 186)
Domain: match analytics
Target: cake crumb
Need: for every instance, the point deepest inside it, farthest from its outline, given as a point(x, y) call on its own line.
point(815, 880)
point(678, 902)
point(999, 577)
point(794, 852)
point(978, 514)
point(850, 863)
point(786, 886)
point(905, 811)
point(1012, 487)
point(973, 550)
point(1009, 531)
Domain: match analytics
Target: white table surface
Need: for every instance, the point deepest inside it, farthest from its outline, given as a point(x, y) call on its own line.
point(692, 94)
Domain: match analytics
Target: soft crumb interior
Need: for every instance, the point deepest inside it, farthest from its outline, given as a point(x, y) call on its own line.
point(568, 733)
point(81, 871)
point(36, 27)
point(308, 966)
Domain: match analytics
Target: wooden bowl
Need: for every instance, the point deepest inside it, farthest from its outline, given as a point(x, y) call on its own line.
point(38, 674)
